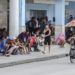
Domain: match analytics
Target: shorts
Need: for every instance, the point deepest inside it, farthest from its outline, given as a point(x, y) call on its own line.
point(47, 40)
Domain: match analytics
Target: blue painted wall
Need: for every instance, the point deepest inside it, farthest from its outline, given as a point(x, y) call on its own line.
point(49, 8)
point(22, 12)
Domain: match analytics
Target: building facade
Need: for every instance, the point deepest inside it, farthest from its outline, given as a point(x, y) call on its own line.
point(14, 13)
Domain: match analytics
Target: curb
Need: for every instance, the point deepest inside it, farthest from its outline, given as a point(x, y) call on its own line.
point(32, 60)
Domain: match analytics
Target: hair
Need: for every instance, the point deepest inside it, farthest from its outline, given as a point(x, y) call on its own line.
point(32, 18)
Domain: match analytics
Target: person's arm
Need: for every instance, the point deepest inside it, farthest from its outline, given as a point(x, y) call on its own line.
point(37, 23)
point(49, 33)
point(44, 31)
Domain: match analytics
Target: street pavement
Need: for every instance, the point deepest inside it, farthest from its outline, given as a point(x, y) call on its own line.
point(60, 66)
point(21, 59)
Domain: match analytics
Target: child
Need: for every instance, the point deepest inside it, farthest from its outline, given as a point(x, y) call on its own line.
point(41, 40)
point(61, 39)
point(33, 43)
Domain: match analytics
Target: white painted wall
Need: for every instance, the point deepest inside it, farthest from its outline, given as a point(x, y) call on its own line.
point(51, 12)
point(14, 18)
point(60, 12)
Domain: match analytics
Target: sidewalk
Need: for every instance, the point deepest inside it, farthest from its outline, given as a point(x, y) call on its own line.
point(56, 52)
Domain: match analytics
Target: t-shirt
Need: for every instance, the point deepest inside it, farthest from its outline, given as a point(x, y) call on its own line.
point(32, 40)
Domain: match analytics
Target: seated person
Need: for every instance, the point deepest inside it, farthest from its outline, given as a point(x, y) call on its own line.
point(41, 40)
point(22, 48)
point(2, 47)
point(71, 39)
point(60, 40)
point(23, 37)
point(2, 44)
point(33, 43)
point(11, 46)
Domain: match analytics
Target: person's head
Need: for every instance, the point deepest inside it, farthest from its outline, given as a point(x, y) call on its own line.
point(32, 34)
point(12, 37)
point(71, 16)
point(46, 18)
point(33, 18)
point(47, 26)
point(71, 29)
point(4, 37)
point(27, 32)
point(4, 29)
point(43, 19)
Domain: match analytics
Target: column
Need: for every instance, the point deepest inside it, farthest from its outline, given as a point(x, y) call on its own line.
point(14, 18)
point(60, 17)
point(22, 15)
point(51, 12)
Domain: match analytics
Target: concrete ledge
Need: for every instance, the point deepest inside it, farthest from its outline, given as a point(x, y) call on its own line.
point(32, 60)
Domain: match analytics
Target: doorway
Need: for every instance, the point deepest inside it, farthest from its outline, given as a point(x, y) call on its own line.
point(38, 13)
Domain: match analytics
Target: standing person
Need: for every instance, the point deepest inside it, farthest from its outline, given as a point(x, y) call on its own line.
point(4, 32)
point(47, 40)
point(42, 24)
point(71, 18)
point(31, 25)
point(69, 33)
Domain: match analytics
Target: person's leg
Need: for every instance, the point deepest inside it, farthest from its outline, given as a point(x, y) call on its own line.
point(7, 47)
point(49, 42)
point(45, 44)
point(49, 48)
point(24, 51)
point(44, 47)
point(27, 50)
point(11, 50)
point(30, 30)
point(27, 47)
point(49, 45)
point(62, 43)
point(36, 47)
point(21, 49)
